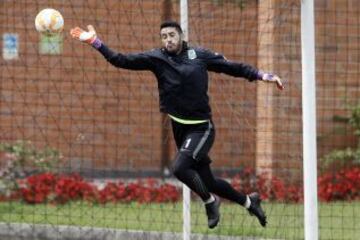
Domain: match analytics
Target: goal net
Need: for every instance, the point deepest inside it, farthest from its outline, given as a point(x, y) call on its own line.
point(85, 152)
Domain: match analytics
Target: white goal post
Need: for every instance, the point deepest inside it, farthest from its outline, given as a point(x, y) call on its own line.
point(309, 120)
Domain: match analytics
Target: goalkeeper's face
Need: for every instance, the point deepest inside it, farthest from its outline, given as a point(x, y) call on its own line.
point(171, 39)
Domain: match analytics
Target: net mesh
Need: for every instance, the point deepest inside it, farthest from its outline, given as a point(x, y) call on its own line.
point(84, 149)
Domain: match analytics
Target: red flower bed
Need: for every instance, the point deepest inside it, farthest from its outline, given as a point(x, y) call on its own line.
point(332, 186)
point(38, 188)
point(61, 189)
point(270, 188)
point(340, 185)
point(145, 191)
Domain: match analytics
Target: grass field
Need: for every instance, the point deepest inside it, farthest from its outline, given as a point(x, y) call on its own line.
point(337, 220)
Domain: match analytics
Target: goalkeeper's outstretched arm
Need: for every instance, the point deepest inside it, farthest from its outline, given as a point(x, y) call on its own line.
point(218, 63)
point(140, 61)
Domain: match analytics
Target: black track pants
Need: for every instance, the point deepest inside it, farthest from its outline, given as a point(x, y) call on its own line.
point(192, 164)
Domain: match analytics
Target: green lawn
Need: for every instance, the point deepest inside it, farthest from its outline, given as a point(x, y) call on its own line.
point(337, 220)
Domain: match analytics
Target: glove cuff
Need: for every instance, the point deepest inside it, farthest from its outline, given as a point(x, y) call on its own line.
point(260, 75)
point(96, 43)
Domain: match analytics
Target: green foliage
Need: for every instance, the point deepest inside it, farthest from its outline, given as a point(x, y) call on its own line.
point(349, 156)
point(20, 157)
point(341, 158)
point(355, 120)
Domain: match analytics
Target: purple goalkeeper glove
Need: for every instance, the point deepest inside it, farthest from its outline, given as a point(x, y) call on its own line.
point(268, 77)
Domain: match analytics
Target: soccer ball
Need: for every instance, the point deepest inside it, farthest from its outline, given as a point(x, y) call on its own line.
point(49, 21)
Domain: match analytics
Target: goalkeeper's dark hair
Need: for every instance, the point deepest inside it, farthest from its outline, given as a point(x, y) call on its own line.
point(170, 23)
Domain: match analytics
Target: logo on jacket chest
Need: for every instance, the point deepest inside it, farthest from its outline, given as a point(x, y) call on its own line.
point(191, 54)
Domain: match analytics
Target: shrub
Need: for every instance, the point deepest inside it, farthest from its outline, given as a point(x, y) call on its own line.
point(20, 158)
point(344, 157)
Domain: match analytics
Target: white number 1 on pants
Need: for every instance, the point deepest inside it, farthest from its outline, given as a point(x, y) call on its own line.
point(187, 143)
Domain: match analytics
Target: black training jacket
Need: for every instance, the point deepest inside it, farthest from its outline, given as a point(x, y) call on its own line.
point(183, 78)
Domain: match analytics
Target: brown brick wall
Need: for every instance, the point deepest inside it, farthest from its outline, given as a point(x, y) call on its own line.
point(106, 118)
point(338, 65)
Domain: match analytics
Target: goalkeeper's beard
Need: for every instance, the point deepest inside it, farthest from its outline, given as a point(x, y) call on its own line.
point(173, 48)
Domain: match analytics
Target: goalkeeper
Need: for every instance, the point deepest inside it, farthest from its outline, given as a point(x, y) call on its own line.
point(182, 76)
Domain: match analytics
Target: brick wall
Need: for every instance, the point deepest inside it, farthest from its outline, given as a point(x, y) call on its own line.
point(105, 118)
